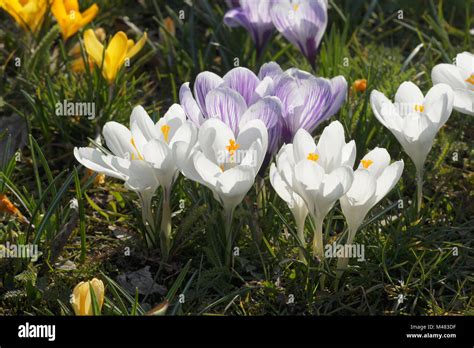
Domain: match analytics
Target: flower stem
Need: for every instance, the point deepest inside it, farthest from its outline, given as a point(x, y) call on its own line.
point(228, 215)
point(301, 240)
point(419, 189)
point(260, 186)
point(342, 262)
point(147, 218)
point(165, 236)
point(318, 249)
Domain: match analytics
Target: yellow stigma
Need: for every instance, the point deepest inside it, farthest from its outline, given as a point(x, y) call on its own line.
point(140, 157)
point(222, 167)
point(366, 163)
point(470, 79)
point(295, 7)
point(232, 147)
point(313, 156)
point(166, 131)
point(419, 108)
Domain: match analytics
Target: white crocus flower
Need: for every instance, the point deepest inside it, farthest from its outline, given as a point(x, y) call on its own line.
point(322, 174)
point(141, 157)
point(414, 120)
point(156, 142)
point(225, 162)
point(280, 175)
point(373, 179)
point(460, 76)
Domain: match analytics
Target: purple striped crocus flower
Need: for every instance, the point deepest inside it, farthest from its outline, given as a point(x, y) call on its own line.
point(254, 16)
point(302, 22)
point(238, 97)
point(306, 100)
point(284, 100)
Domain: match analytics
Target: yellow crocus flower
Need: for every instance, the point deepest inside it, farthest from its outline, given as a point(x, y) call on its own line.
point(119, 49)
point(81, 300)
point(77, 64)
point(29, 14)
point(69, 17)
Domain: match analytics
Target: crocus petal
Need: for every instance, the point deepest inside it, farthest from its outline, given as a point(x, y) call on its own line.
point(338, 95)
point(206, 169)
point(268, 110)
point(449, 74)
point(141, 126)
point(187, 133)
point(286, 162)
point(236, 17)
point(131, 52)
point(266, 87)
point(302, 24)
point(465, 61)
point(330, 146)
point(250, 131)
point(408, 99)
point(205, 82)
point(227, 105)
point(362, 189)
point(418, 136)
point(408, 94)
point(303, 144)
point(464, 101)
point(234, 184)
point(388, 179)
point(357, 202)
point(439, 104)
point(309, 174)
point(284, 190)
point(93, 46)
point(189, 105)
point(29, 15)
point(417, 128)
point(118, 139)
point(59, 11)
point(375, 161)
point(386, 113)
point(307, 101)
point(89, 14)
point(71, 5)
point(307, 181)
point(337, 183)
point(254, 16)
point(281, 187)
point(317, 98)
point(115, 55)
point(270, 69)
point(168, 125)
point(142, 177)
point(214, 137)
point(159, 155)
point(183, 154)
point(96, 161)
point(348, 154)
point(254, 157)
point(243, 81)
